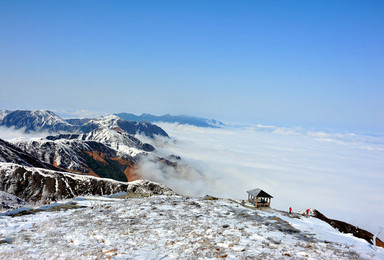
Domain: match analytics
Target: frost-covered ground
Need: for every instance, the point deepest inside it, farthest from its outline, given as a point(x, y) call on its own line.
point(174, 227)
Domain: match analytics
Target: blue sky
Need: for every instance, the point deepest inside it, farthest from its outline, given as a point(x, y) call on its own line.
point(304, 63)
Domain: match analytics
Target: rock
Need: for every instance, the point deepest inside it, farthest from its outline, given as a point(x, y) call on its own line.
point(149, 187)
point(209, 197)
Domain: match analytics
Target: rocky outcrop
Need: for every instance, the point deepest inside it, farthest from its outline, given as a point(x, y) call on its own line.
point(344, 227)
point(36, 185)
point(149, 187)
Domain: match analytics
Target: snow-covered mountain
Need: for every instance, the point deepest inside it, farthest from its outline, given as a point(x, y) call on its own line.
point(118, 140)
point(12, 154)
point(118, 124)
point(82, 156)
point(103, 152)
point(180, 119)
point(104, 147)
point(38, 120)
point(47, 121)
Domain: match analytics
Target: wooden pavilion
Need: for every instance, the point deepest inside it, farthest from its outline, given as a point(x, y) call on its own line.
point(259, 198)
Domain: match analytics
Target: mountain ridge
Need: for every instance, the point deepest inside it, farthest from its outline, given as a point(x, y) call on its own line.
point(181, 119)
point(48, 121)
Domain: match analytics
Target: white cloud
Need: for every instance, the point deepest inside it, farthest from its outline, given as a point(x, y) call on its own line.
point(11, 134)
point(338, 174)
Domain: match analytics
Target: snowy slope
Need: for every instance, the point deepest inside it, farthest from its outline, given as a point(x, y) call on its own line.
point(62, 153)
point(12, 154)
point(130, 127)
point(102, 152)
point(92, 153)
point(120, 141)
point(174, 227)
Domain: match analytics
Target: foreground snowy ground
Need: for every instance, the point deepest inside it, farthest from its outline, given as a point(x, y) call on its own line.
point(173, 227)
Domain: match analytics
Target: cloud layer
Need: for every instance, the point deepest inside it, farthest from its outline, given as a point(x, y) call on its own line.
point(12, 134)
point(341, 175)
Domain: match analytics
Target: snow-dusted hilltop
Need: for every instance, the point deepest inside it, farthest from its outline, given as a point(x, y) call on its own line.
point(118, 124)
point(38, 120)
point(174, 227)
point(116, 139)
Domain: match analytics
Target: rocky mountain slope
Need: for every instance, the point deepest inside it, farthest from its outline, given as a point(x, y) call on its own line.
point(116, 139)
point(12, 154)
point(103, 152)
point(347, 228)
point(39, 185)
point(84, 157)
point(180, 119)
point(36, 185)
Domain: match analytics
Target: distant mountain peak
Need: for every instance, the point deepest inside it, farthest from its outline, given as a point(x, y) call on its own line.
point(128, 126)
point(180, 119)
point(35, 120)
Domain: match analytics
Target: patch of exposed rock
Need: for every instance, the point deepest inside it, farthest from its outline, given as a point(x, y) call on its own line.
point(149, 187)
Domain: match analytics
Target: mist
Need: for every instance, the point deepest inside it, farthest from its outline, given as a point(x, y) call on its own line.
point(339, 174)
point(12, 134)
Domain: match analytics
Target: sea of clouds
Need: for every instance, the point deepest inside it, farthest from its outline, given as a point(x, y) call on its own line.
point(340, 174)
